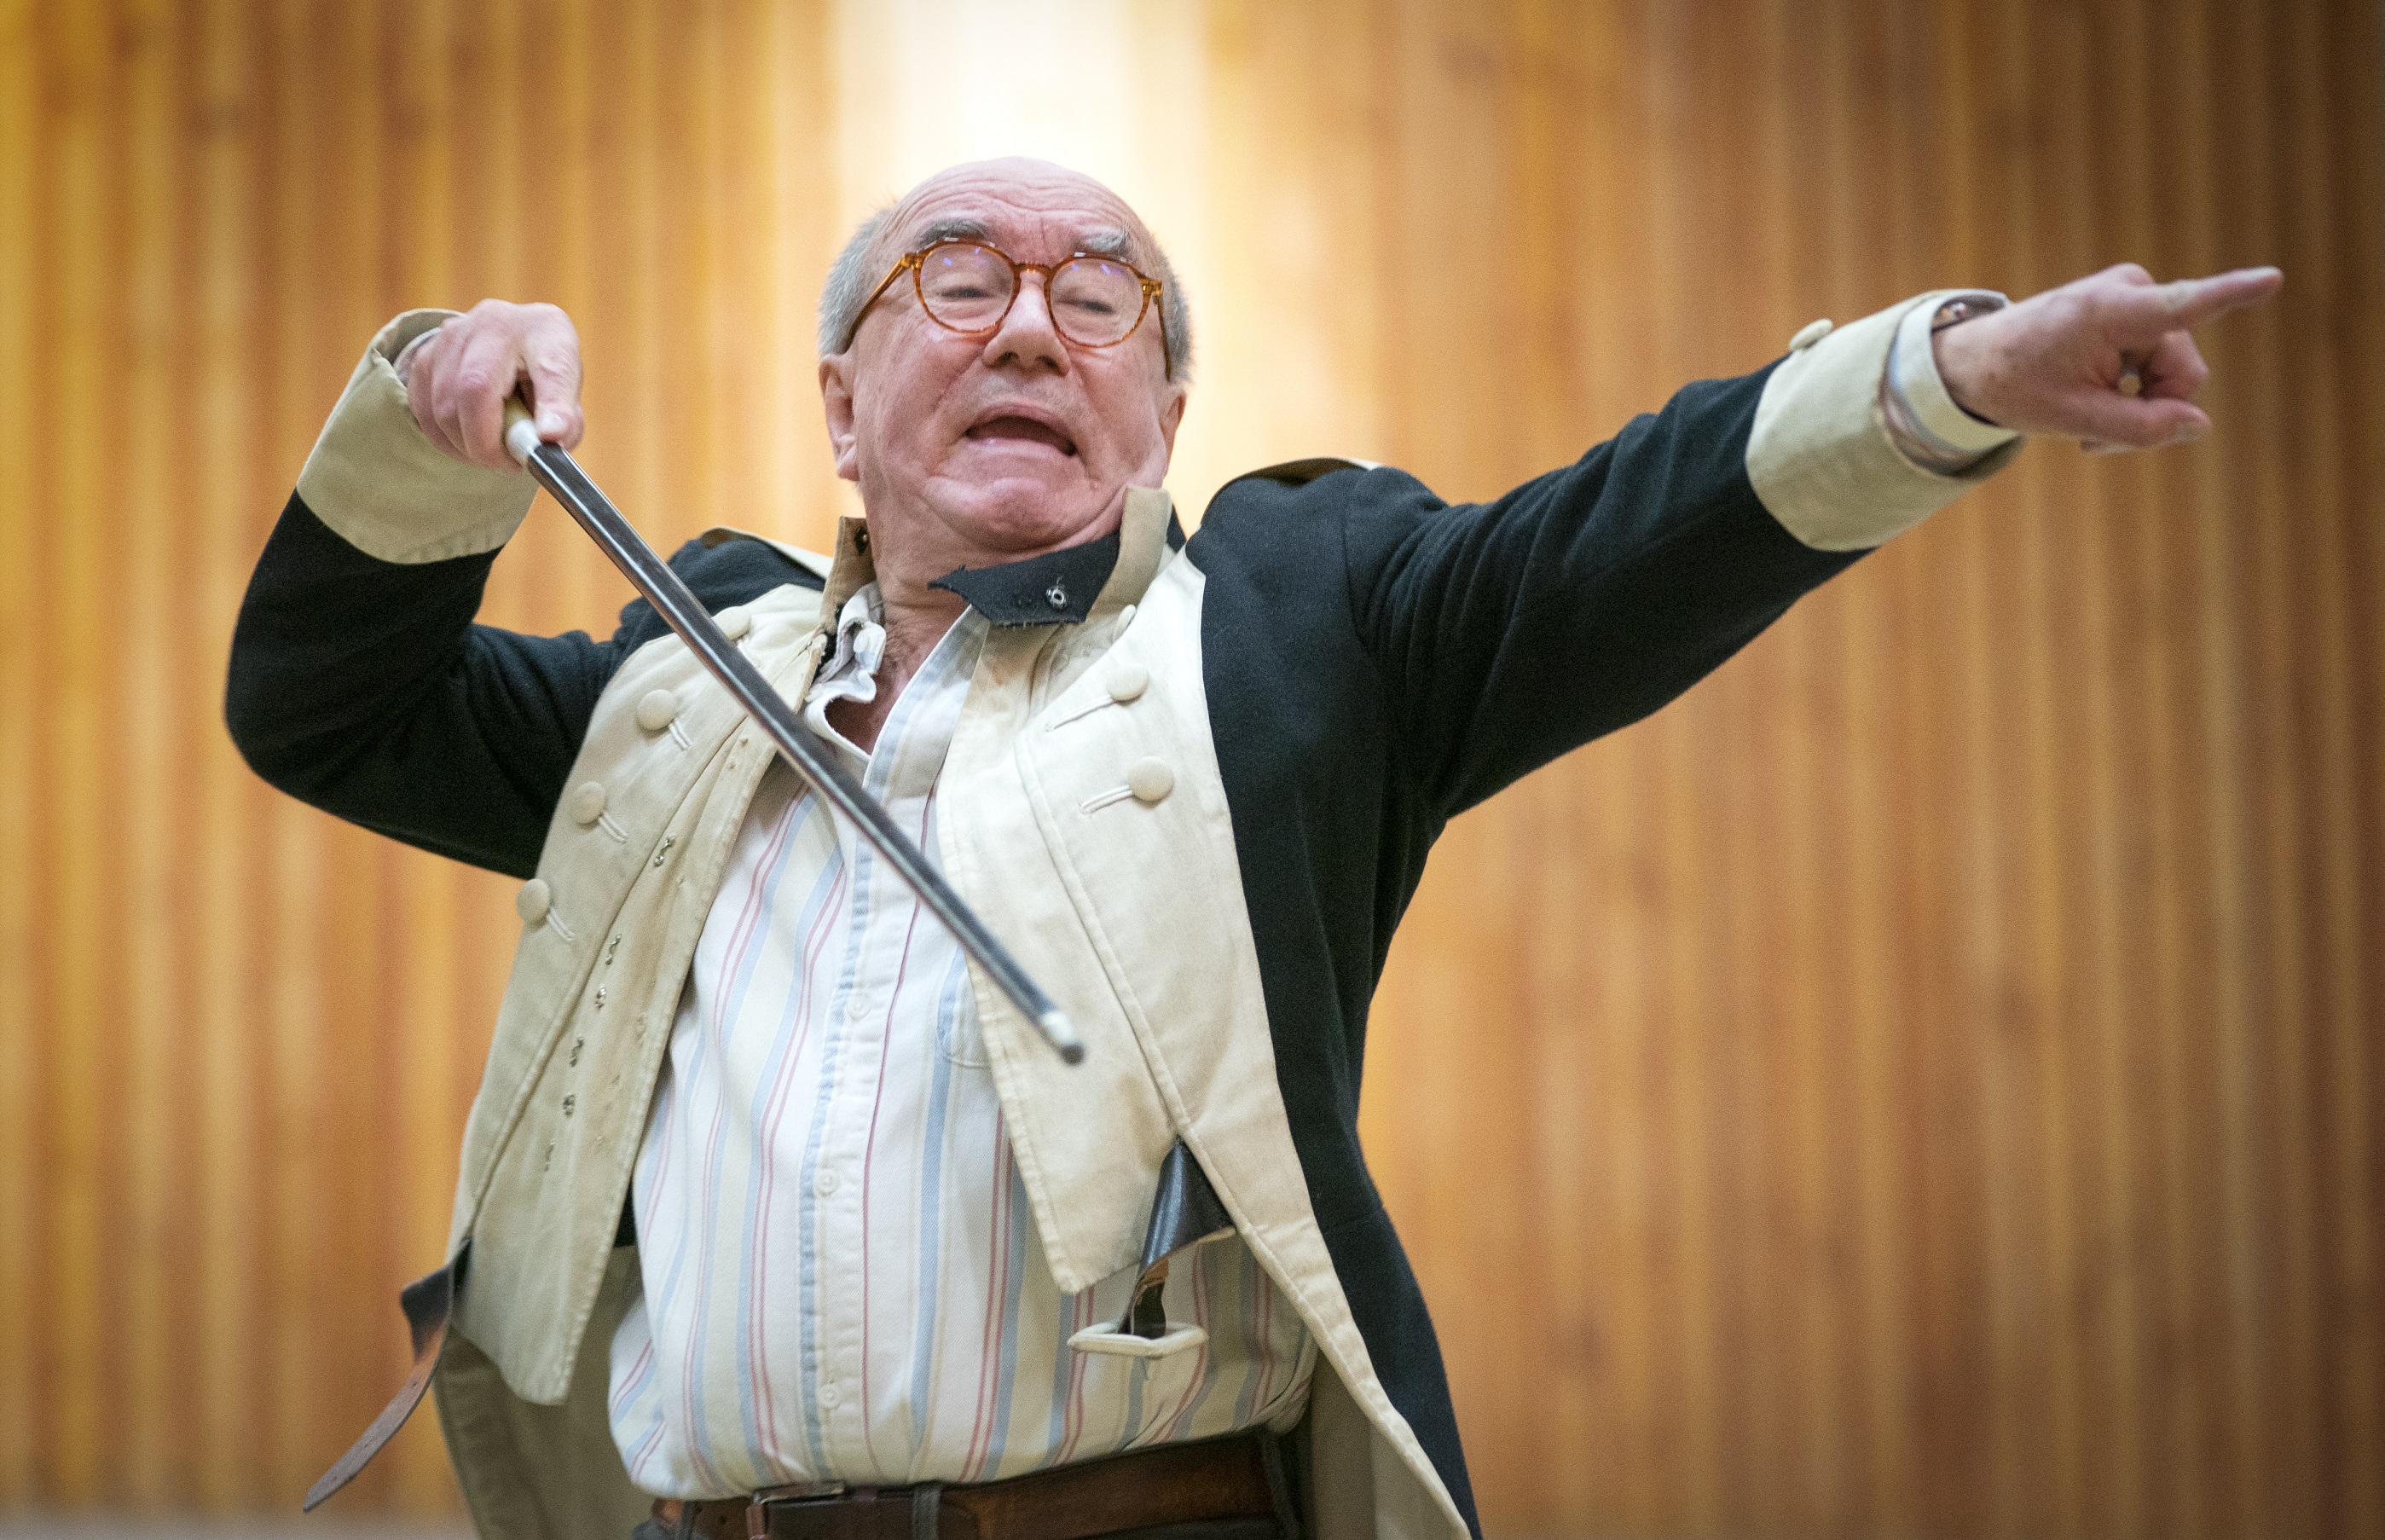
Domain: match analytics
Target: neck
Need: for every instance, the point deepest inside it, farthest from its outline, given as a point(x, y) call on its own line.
point(915, 615)
point(915, 623)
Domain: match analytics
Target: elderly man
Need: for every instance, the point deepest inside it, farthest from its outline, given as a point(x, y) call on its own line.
point(771, 1213)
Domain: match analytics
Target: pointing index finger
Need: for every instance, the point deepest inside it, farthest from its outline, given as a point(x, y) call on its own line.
point(2189, 302)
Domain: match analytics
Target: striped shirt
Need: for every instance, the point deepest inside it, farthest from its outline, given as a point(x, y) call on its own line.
point(840, 1279)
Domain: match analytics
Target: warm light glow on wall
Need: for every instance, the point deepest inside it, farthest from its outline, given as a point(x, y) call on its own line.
point(1130, 93)
point(1925, 1081)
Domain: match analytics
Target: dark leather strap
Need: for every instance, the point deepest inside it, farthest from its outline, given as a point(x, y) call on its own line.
point(427, 1302)
point(1177, 1483)
point(1184, 1212)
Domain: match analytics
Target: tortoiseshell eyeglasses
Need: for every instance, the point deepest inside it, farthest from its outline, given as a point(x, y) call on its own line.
point(967, 286)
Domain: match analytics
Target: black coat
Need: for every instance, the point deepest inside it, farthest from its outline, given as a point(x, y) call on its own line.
point(1377, 660)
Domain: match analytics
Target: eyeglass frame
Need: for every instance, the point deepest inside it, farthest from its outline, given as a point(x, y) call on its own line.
point(917, 262)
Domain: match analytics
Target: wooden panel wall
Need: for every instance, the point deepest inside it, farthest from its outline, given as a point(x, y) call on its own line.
point(1925, 1082)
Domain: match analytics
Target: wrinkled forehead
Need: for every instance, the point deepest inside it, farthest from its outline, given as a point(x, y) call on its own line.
point(1036, 211)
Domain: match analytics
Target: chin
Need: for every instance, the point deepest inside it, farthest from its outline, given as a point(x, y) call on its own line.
point(1022, 515)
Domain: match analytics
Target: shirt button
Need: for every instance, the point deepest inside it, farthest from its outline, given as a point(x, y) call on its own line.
point(829, 1395)
point(532, 901)
point(857, 1005)
point(734, 621)
point(656, 709)
point(1128, 683)
point(588, 801)
point(825, 1183)
point(1150, 780)
point(1808, 334)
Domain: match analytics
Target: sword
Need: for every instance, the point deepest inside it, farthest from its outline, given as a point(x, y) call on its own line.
point(569, 485)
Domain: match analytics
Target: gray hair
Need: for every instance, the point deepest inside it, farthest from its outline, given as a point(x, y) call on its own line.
point(850, 277)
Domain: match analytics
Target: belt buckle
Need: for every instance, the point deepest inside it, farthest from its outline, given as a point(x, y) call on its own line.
point(793, 1494)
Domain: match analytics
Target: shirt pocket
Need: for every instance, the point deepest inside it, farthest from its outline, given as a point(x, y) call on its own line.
point(959, 1037)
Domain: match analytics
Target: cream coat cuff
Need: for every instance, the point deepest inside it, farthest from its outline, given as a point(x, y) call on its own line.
point(1820, 457)
point(381, 486)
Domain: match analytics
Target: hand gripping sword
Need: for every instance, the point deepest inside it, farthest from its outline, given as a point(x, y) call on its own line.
point(569, 485)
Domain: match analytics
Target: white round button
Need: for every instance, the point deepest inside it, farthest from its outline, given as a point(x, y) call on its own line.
point(532, 900)
point(1808, 334)
point(825, 1183)
point(588, 801)
point(856, 1006)
point(1128, 681)
point(829, 1395)
point(1150, 780)
point(734, 621)
point(656, 709)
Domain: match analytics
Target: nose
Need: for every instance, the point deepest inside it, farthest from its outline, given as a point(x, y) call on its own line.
point(1027, 337)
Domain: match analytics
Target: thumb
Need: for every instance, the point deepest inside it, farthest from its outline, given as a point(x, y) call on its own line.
point(554, 396)
point(550, 358)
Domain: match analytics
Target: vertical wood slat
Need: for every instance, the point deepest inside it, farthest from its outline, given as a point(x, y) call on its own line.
point(228, 174)
point(148, 727)
point(1922, 1082)
point(22, 816)
point(77, 658)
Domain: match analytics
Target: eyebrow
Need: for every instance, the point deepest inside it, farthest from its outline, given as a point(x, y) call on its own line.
point(1109, 242)
point(952, 230)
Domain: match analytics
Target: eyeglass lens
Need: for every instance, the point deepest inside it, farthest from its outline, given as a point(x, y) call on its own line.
point(1094, 301)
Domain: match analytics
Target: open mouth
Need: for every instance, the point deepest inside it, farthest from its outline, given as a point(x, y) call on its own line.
point(1024, 430)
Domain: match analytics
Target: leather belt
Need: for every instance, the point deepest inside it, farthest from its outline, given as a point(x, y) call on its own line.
point(1218, 1480)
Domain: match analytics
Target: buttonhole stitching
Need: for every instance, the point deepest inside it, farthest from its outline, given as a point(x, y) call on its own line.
point(1080, 713)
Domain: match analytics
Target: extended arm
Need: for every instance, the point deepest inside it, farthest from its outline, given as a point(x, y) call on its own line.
point(1511, 632)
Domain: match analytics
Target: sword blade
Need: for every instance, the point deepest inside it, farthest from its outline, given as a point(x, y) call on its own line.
point(561, 476)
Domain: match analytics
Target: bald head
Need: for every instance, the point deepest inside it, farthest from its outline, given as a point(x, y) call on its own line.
point(974, 447)
point(964, 202)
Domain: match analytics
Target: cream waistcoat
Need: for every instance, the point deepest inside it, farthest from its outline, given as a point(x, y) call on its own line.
point(1129, 912)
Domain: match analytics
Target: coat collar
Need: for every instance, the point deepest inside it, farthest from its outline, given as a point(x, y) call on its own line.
point(1066, 587)
point(1069, 587)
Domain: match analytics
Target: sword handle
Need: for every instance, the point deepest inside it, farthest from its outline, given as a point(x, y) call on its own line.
point(522, 431)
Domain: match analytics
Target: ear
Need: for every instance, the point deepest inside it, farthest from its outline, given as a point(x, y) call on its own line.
point(1171, 416)
point(836, 403)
